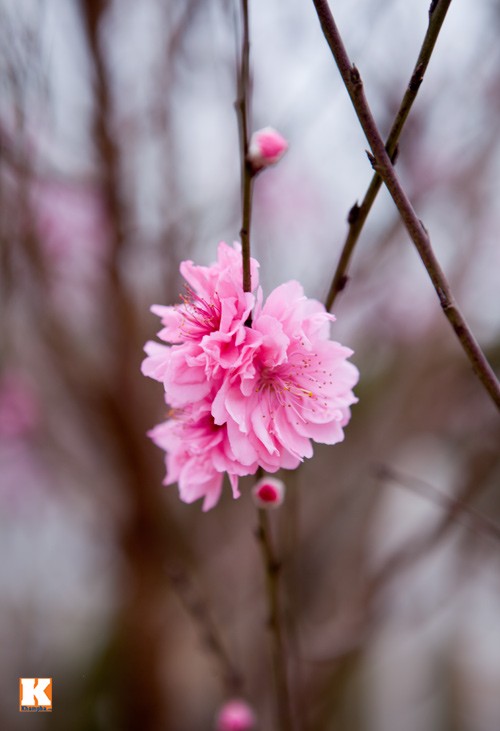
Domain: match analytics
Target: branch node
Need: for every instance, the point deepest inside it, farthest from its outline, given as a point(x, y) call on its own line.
point(259, 534)
point(423, 227)
point(417, 78)
point(443, 299)
point(341, 284)
point(432, 7)
point(355, 76)
point(372, 159)
point(353, 215)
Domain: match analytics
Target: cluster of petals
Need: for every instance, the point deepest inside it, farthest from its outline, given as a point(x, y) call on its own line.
point(248, 383)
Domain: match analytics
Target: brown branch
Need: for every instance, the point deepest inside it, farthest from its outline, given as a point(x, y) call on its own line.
point(143, 537)
point(273, 568)
point(457, 511)
point(196, 606)
point(242, 104)
point(93, 12)
point(382, 164)
point(359, 213)
point(271, 565)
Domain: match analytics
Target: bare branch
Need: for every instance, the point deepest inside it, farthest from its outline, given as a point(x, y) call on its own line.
point(273, 569)
point(359, 213)
point(382, 163)
point(196, 606)
point(242, 104)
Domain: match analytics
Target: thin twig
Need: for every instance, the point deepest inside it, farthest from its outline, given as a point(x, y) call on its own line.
point(457, 510)
point(273, 569)
point(196, 606)
point(382, 164)
point(242, 104)
point(271, 565)
point(359, 213)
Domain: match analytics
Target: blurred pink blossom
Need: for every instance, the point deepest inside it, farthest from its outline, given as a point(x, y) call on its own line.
point(71, 222)
point(22, 474)
point(266, 148)
point(245, 395)
point(19, 411)
point(269, 492)
point(235, 715)
point(75, 235)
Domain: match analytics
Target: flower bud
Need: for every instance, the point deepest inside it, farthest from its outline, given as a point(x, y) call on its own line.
point(235, 715)
point(266, 147)
point(268, 493)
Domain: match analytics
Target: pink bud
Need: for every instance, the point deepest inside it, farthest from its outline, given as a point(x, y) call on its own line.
point(235, 715)
point(268, 493)
point(266, 147)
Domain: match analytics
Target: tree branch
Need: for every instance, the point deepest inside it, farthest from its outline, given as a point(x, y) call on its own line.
point(273, 568)
point(382, 164)
point(195, 604)
point(359, 213)
point(242, 104)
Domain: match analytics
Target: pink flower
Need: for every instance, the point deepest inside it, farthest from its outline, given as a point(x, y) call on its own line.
point(235, 715)
point(266, 148)
point(210, 320)
point(245, 396)
point(214, 299)
point(268, 493)
point(197, 455)
point(297, 387)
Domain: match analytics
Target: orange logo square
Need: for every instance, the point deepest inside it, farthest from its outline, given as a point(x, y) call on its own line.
point(35, 695)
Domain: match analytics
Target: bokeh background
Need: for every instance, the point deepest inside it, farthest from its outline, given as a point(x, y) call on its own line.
point(119, 157)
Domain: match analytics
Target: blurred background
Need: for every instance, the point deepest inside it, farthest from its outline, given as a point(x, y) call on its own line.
point(119, 158)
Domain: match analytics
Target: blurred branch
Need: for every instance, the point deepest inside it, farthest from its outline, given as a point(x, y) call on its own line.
point(271, 565)
point(456, 509)
point(144, 539)
point(362, 619)
point(19, 160)
point(93, 12)
point(242, 105)
point(359, 213)
point(196, 606)
point(381, 162)
point(273, 569)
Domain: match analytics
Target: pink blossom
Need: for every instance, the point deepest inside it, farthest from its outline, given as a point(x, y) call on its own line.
point(268, 493)
point(235, 715)
point(197, 455)
point(266, 148)
point(19, 411)
point(214, 300)
point(297, 387)
point(245, 395)
point(206, 329)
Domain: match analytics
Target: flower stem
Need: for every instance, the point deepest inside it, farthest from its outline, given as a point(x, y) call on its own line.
point(359, 213)
point(242, 105)
point(273, 570)
point(382, 164)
